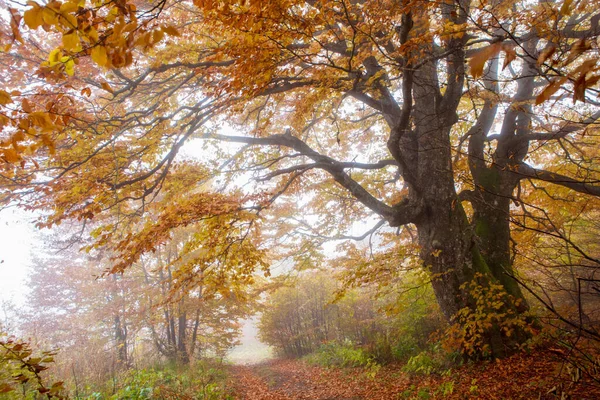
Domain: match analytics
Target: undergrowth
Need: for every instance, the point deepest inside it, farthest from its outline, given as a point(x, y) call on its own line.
point(204, 380)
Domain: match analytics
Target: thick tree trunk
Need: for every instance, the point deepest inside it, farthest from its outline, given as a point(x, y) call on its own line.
point(460, 253)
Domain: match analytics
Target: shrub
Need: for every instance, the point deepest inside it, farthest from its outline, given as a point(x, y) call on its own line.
point(339, 355)
point(21, 368)
point(433, 360)
point(203, 380)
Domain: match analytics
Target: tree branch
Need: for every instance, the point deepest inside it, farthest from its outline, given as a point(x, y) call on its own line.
point(526, 171)
point(399, 214)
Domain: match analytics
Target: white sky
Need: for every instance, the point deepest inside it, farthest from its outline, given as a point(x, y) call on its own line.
point(17, 240)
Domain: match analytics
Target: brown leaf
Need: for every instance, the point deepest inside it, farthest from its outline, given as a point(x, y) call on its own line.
point(478, 60)
point(546, 53)
point(577, 49)
point(107, 87)
point(511, 54)
point(579, 89)
point(549, 90)
point(26, 105)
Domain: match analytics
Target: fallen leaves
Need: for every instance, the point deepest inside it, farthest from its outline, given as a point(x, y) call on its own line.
point(523, 376)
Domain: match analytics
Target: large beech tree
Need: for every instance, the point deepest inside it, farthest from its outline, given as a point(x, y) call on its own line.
point(437, 115)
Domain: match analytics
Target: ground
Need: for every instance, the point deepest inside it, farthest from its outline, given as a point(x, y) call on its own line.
point(523, 376)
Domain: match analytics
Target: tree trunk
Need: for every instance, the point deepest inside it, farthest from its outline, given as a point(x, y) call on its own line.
point(121, 341)
point(466, 259)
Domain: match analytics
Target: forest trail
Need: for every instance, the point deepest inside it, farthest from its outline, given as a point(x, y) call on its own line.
point(294, 380)
point(519, 377)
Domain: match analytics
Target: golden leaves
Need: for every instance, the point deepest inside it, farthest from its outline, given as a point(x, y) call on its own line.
point(34, 16)
point(5, 98)
point(478, 60)
point(100, 56)
point(71, 41)
point(583, 76)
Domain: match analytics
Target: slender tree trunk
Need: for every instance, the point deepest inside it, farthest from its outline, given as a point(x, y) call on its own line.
point(121, 341)
point(182, 354)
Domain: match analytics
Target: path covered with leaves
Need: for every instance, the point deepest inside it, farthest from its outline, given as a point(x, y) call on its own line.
point(518, 377)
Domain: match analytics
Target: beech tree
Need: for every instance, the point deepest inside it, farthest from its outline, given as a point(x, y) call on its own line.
point(401, 114)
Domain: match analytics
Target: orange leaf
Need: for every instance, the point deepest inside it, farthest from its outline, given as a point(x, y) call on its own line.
point(11, 155)
point(511, 54)
point(478, 60)
point(546, 53)
point(549, 90)
point(107, 87)
point(5, 98)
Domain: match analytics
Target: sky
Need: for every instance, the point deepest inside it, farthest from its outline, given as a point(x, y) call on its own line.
point(17, 241)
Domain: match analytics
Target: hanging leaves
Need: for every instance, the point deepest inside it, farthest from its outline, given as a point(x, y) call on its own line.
point(478, 60)
point(550, 90)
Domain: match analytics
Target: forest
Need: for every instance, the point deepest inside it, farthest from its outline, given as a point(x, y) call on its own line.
point(392, 199)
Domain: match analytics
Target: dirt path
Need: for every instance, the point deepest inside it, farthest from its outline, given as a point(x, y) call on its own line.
point(293, 380)
point(518, 377)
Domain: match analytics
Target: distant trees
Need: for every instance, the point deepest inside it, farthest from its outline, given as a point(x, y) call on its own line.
point(107, 322)
point(311, 312)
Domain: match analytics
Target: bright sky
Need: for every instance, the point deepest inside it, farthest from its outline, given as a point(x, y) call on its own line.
point(17, 239)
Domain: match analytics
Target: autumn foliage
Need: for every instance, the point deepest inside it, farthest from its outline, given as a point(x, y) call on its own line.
point(195, 147)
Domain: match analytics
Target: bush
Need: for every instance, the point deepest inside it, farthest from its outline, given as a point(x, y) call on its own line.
point(20, 371)
point(200, 381)
point(406, 347)
point(339, 355)
point(434, 360)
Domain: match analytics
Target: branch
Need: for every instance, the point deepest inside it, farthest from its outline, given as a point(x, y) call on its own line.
point(551, 308)
point(344, 165)
point(484, 123)
point(396, 215)
point(349, 237)
point(526, 171)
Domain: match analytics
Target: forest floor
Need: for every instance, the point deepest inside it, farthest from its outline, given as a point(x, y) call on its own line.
point(534, 376)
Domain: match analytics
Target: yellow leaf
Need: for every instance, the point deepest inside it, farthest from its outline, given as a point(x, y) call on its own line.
point(5, 98)
point(33, 17)
point(70, 67)
point(69, 21)
point(171, 30)
point(68, 7)
point(99, 55)
point(54, 57)
point(11, 155)
point(49, 16)
point(92, 34)
point(71, 41)
point(157, 36)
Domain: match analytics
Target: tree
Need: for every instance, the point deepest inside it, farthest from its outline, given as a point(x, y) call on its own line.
point(357, 110)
